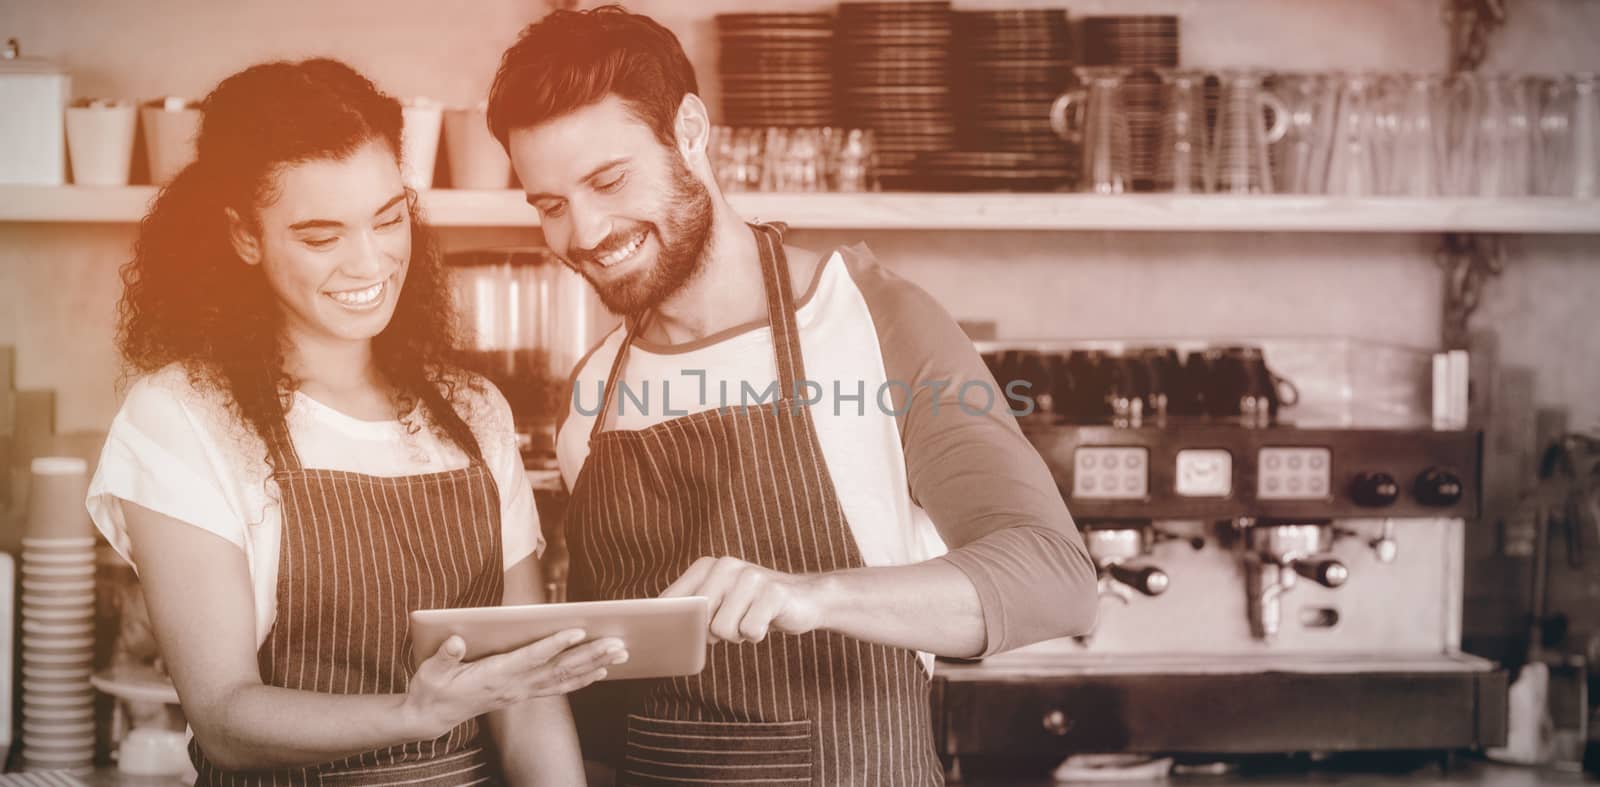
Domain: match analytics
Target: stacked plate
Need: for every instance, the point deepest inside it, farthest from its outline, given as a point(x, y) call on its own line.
point(1148, 42)
point(1145, 44)
point(965, 170)
point(894, 78)
point(57, 654)
point(776, 69)
point(1012, 65)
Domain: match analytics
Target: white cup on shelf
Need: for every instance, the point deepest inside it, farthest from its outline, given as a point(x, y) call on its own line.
point(170, 127)
point(100, 141)
point(419, 143)
point(476, 159)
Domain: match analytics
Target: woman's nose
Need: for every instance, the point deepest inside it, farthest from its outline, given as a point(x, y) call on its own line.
point(366, 259)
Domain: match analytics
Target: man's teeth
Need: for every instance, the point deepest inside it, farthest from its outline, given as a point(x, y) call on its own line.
point(365, 297)
point(623, 253)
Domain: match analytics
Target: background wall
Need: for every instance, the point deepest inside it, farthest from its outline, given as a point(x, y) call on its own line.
point(58, 284)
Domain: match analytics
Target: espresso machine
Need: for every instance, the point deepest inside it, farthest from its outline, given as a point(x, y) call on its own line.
point(528, 320)
point(1281, 563)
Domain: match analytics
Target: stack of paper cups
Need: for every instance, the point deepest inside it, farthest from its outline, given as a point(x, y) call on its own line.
point(57, 621)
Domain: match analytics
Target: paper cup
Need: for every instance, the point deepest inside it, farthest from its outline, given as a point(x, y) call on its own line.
point(170, 128)
point(63, 615)
point(35, 656)
point(57, 646)
point(57, 629)
point(58, 586)
point(50, 544)
point(419, 146)
point(56, 709)
point(57, 486)
point(44, 728)
point(46, 557)
point(476, 159)
point(45, 599)
point(64, 698)
point(35, 570)
point(58, 674)
point(100, 143)
point(58, 757)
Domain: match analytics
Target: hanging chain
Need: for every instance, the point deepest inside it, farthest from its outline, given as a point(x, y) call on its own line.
point(1471, 22)
point(1468, 262)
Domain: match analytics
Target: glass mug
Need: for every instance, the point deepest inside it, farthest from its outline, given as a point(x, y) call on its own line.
point(1239, 161)
point(1095, 117)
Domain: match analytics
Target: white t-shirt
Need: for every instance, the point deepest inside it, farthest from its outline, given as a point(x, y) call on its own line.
point(179, 451)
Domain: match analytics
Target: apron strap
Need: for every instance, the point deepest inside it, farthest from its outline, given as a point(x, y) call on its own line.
point(280, 446)
point(780, 318)
point(780, 308)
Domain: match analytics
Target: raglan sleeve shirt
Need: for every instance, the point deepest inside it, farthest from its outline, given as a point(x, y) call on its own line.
point(971, 469)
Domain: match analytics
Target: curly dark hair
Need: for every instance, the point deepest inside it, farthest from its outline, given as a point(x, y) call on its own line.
point(189, 299)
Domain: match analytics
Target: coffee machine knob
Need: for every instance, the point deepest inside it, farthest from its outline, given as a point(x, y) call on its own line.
point(1374, 490)
point(1438, 487)
point(1149, 581)
point(1327, 572)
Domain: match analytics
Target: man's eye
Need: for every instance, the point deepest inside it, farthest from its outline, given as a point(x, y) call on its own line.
point(320, 243)
point(611, 186)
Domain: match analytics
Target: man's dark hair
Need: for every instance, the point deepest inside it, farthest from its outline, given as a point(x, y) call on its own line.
point(571, 59)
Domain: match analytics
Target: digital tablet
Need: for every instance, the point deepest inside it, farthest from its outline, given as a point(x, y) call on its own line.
point(665, 637)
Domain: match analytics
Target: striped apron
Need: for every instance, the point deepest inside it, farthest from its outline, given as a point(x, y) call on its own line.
point(358, 554)
point(819, 708)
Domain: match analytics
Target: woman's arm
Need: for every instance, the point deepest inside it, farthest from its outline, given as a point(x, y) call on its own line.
point(197, 586)
point(537, 740)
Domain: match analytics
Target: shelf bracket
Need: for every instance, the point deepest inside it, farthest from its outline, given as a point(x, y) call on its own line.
point(1468, 262)
point(1471, 23)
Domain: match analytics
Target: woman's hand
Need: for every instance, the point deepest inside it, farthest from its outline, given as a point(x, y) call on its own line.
point(445, 692)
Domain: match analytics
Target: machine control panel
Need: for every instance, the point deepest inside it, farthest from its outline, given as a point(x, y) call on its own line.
point(1204, 472)
point(1221, 472)
point(1111, 473)
point(1293, 473)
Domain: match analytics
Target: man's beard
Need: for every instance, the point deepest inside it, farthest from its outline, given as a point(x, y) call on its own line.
point(682, 239)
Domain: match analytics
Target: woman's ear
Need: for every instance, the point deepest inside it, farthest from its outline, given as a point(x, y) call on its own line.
point(692, 128)
point(244, 240)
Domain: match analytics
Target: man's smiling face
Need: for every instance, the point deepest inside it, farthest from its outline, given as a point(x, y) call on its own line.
point(616, 204)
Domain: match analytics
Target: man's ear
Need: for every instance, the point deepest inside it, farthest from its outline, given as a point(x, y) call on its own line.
point(692, 128)
point(244, 240)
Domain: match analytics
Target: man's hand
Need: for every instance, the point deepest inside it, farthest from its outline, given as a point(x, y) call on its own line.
point(747, 601)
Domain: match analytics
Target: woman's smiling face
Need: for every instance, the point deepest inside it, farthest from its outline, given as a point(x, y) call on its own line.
point(335, 243)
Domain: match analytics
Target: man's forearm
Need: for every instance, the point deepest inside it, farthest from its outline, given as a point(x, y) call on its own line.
point(930, 606)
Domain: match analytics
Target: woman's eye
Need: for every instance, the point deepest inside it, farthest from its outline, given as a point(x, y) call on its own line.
point(555, 209)
point(320, 243)
point(394, 222)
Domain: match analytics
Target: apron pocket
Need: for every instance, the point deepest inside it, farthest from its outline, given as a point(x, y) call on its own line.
point(667, 752)
point(466, 767)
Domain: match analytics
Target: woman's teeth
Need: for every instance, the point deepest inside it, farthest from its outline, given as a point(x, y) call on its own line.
point(359, 298)
point(622, 254)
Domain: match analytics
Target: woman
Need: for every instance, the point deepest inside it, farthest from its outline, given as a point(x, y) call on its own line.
point(300, 464)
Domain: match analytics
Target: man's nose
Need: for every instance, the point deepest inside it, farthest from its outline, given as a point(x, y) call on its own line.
point(590, 228)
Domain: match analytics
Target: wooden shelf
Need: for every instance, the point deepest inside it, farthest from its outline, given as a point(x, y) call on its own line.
point(973, 211)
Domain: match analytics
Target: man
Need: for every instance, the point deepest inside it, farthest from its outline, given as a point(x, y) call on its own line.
point(812, 523)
